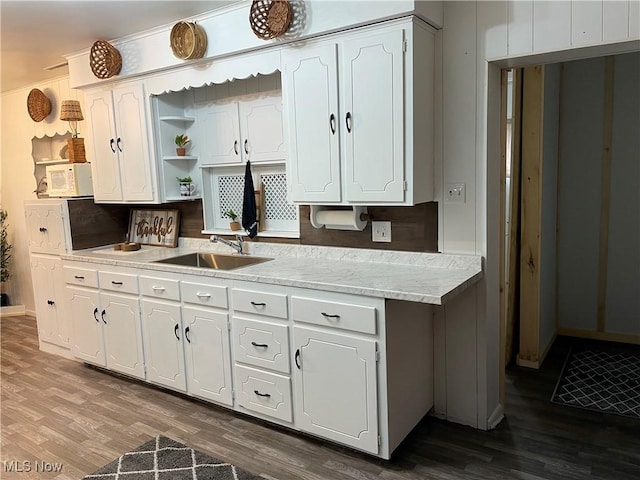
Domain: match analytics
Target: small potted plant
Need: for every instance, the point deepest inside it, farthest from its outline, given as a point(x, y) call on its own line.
point(181, 142)
point(186, 186)
point(233, 224)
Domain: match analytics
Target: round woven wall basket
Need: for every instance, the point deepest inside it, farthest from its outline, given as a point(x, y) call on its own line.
point(38, 105)
point(188, 40)
point(270, 18)
point(104, 59)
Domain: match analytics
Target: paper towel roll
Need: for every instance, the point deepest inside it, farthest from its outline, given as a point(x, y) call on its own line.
point(338, 219)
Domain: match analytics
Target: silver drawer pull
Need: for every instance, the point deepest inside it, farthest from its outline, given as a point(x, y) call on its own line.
point(326, 315)
point(203, 295)
point(157, 288)
point(266, 395)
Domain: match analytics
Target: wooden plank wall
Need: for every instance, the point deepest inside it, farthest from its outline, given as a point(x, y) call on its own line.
point(412, 228)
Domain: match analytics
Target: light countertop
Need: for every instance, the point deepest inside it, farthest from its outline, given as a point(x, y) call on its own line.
point(411, 276)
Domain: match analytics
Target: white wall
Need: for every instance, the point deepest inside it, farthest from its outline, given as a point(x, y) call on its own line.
point(549, 207)
point(16, 163)
point(581, 201)
point(479, 38)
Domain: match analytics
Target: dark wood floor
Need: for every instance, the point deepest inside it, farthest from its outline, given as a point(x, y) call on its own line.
point(57, 410)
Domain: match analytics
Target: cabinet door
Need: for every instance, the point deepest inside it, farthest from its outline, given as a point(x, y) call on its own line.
point(44, 296)
point(261, 129)
point(87, 342)
point(101, 144)
point(311, 76)
point(132, 143)
point(208, 358)
point(163, 349)
point(372, 69)
point(122, 334)
point(219, 132)
point(336, 387)
point(45, 228)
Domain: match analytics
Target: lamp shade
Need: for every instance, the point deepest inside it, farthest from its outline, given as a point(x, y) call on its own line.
point(70, 111)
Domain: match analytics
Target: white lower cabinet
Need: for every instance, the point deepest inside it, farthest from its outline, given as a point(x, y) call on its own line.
point(336, 387)
point(207, 353)
point(106, 325)
point(163, 347)
point(48, 280)
point(354, 370)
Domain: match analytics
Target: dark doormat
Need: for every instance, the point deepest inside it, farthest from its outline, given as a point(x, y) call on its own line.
point(602, 381)
point(166, 459)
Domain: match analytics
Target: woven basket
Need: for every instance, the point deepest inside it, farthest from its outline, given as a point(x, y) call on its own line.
point(104, 59)
point(38, 105)
point(188, 40)
point(270, 18)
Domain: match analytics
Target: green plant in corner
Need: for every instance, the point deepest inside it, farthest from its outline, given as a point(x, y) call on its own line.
point(5, 247)
point(231, 214)
point(181, 140)
point(186, 179)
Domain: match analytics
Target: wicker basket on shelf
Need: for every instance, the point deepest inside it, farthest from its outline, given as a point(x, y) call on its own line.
point(188, 40)
point(105, 59)
point(270, 18)
point(38, 105)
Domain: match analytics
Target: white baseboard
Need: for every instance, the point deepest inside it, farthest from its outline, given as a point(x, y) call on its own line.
point(12, 311)
point(496, 417)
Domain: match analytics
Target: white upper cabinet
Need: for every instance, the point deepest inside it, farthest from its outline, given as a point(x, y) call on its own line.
point(353, 105)
point(248, 129)
point(118, 144)
point(46, 227)
point(311, 83)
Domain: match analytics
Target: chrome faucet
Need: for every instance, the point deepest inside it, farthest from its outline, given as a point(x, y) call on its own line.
point(238, 245)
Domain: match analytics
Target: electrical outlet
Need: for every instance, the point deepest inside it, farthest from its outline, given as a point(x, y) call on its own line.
point(381, 231)
point(455, 193)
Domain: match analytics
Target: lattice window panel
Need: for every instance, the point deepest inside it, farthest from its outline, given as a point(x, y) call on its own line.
point(274, 188)
point(276, 215)
point(230, 193)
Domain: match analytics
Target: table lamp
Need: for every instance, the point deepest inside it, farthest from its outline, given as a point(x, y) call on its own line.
point(71, 112)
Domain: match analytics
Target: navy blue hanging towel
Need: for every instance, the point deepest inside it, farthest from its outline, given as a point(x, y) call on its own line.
point(249, 213)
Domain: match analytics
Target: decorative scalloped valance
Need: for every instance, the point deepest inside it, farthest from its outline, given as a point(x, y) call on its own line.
point(215, 72)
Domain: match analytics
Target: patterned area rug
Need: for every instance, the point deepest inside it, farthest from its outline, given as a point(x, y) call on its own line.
point(166, 459)
point(601, 381)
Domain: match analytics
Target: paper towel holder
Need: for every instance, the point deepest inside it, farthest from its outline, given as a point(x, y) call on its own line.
point(354, 217)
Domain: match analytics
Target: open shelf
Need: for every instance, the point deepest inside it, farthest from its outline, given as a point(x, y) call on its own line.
point(180, 199)
point(177, 118)
point(54, 161)
point(179, 157)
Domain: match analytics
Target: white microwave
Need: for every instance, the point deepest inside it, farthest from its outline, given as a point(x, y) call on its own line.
point(69, 180)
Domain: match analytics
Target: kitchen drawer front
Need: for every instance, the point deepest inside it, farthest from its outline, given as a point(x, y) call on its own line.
point(264, 392)
point(261, 344)
point(81, 276)
point(118, 282)
point(160, 288)
point(259, 303)
point(205, 295)
point(325, 313)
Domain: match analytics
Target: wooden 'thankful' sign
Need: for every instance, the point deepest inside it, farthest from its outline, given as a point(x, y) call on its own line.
point(154, 227)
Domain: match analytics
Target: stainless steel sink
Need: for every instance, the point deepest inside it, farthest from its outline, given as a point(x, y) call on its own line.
point(217, 261)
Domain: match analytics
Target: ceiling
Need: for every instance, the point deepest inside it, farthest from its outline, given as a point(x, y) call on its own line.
point(36, 34)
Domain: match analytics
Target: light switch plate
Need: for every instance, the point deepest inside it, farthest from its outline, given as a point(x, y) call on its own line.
point(381, 231)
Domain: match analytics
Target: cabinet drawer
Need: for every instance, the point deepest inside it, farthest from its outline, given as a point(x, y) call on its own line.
point(81, 276)
point(160, 288)
point(264, 392)
point(262, 344)
point(119, 282)
point(207, 295)
point(260, 303)
point(347, 316)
